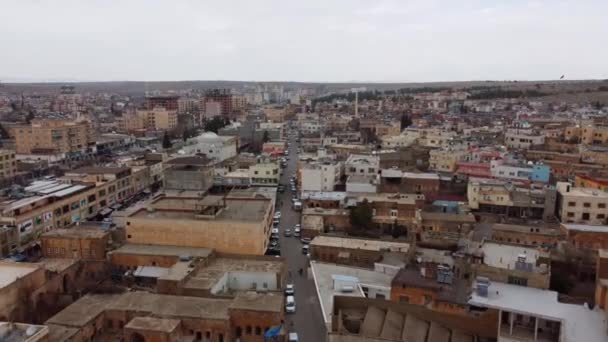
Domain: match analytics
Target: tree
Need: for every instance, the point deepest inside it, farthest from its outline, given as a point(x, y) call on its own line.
point(361, 215)
point(167, 141)
point(397, 231)
point(185, 135)
point(266, 137)
point(29, 117)
point(215, 124)
point(406, 121)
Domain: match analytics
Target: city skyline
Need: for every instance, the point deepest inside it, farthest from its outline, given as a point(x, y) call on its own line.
point(336, 41)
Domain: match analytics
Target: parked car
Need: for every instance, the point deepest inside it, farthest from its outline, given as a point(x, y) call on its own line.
point(305, 241)
point(296, 232)
point(290, 289)
point(274, 244)
point(277, 215)
point(305, 249)
point(290, 304)
point(293, 337)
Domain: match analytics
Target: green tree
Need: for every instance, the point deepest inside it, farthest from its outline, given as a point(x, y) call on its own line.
point(266, 137)
point(361, 215)
point(167, 141)
point(406, 121)
point(215, 124)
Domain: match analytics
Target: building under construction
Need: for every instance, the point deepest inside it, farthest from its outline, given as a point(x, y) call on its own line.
point(221, 98)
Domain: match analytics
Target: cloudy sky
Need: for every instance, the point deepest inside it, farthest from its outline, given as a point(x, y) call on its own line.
point(305, 40)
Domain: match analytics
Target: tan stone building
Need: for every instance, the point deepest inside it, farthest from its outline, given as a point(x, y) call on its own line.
point(8, 165)
point(353, 251)
point(581, 205)
point(77, 243)
point(228, 225)
point(156, 119)
point(57, 136)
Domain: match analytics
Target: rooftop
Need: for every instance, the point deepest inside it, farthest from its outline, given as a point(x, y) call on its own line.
point(578, 323)
point(258, 302)
point(209, 275)
point(153, 324)
point(324, 275)
point(585, 227)
point(20, 332)
point(456, 292)
point(506, 256)
point(324, 195)
point(350, 243)
point(160, 250)
point(99, 170)
point(77, 233)
point(11, 271)
point(167, 208)
point(90, 306)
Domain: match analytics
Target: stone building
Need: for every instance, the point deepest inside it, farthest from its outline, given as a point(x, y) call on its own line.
point(352, 251)
point(77, 243)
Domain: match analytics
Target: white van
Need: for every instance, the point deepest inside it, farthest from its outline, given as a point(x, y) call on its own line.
point(293, 337)
point(290, 304)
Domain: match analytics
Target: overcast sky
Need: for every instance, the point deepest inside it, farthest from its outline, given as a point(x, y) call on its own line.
point(305, 40)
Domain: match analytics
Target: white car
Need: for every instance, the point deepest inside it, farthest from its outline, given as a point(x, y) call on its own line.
point(277, 215)
point(290, 304)
point(290, 289)
point(293, 337)
point(274, 231)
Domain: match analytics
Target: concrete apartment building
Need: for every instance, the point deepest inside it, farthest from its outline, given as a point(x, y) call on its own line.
point(265, 173)
point(516, 138)
point(78, 243)
point(511, 199)
point(581, 205)
point(390, 208)
point(228, 225)
point(320, 175)
point(54, 136)
point(189, 173)
point(50, 204)
point(362, 165)
point(394, 180)
point(446, 159)
point(588, 135)
point(8, 164)
point(213, 146)
point(155, 119)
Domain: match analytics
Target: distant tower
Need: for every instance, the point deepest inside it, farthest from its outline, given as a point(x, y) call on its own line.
point(357, 90)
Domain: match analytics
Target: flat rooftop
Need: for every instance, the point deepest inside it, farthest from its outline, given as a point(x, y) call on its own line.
point(88, 307)
point(160, 250)
point(245, 210)
point(505, 256)
point(578, 323)
point(10, 272)
point(205, 277)
point(21, 332)
point(253, 301)
point(585, 227)
point(153, 324)
point(350, 243)
point(77, 233)
point(323, 276)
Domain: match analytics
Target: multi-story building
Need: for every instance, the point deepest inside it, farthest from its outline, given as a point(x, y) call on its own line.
point(517, 138)
point(168, 102)
point(362, 165)
point(155, 119)
point(217, 102)
point(320, 176)
point(581, 205)
point(391, 209)
point(593, 182)
point(446, 159)
point(354, 252)
point(226, 224)
point(589, 135)
point(55, 136)
point(8, 165)
point(265, 172)
point(49, 204)
point(189, 173)
point(519, 171)
point(511, 199)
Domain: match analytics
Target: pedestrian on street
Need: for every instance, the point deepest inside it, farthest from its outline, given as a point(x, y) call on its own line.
point(300, 271)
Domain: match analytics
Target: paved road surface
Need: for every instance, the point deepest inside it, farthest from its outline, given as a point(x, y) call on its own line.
point(308, 320)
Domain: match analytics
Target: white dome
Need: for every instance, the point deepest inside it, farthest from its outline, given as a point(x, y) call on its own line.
point(206, 137)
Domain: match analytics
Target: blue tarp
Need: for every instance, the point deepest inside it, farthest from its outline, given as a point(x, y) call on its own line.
point(272, 333)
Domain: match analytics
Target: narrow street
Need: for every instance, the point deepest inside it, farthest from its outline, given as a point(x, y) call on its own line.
point(308, 320)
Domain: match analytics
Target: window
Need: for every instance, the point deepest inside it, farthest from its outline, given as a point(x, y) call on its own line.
point(585, 216)
point(570, 214)
point(517, 281)
point(601, 205)
point(404, 299)
point(258, 330)
point(601, 216)
point(587, 205)
point(572, 204)
point(371, 170)
point(248, 330)
point(394, 213)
